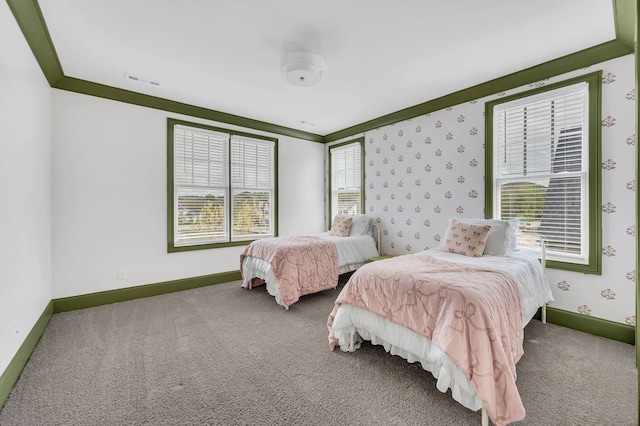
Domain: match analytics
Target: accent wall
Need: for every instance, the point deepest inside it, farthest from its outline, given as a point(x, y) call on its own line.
point(422, 171)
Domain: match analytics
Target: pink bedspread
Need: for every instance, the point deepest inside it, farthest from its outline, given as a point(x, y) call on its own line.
point(302, 264)
point(473, 314)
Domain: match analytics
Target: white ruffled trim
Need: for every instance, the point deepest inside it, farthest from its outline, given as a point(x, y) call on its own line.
point(398, 340)
point(254, 267)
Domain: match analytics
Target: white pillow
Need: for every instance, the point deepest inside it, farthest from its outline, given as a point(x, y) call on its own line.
point(502, 236)
point(360, 225)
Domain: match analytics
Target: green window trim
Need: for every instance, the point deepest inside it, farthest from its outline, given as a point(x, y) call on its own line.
point(171, 244)
point(594, 213)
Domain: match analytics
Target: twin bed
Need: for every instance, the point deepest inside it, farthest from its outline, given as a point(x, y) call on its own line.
point(459, 310)
point(292, 267)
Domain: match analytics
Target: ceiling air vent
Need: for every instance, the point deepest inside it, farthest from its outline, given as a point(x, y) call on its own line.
point(141, 80)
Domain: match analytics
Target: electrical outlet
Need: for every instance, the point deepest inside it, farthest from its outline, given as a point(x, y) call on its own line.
point(122, 274)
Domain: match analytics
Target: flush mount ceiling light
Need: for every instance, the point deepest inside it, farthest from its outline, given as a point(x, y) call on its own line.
point(301, 68)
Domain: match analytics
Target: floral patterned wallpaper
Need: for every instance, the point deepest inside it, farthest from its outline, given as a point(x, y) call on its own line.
point(422, 171)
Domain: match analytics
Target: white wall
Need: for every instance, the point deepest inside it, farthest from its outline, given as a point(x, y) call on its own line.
point(110, 202)
point(25, 187)
point(301, 187)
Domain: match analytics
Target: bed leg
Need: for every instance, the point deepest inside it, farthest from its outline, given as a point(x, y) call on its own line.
point(485, 417)
point(544, 313)
point(352, 340)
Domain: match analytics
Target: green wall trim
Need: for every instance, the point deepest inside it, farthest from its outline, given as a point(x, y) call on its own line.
point(625, 21)
point(582, 59)
point(594, 80)
point(31, 22)
point(636, 14)
point(17, 364)
point(588, 324)
point(123, 294)
point(171, 247)
point(113, 93)
point(585, 323)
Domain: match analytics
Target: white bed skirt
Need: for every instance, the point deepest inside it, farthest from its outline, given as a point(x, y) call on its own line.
point(257, 268)
point(254, 267)
point(401, 341)
point(364, 325)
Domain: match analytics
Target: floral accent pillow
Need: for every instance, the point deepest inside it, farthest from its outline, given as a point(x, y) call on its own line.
point(341, 226)
point(502, 237)
point(466, 238)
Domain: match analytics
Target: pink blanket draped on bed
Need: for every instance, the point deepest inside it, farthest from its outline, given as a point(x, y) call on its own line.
point(302, 264)
point(472, 313)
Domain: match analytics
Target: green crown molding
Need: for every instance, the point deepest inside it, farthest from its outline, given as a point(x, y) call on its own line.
point(10, 376)
point(575, 61)
point(624, 15)
point(31, 22)
point(108, 92)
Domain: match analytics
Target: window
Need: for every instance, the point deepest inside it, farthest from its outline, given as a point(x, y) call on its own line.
point(222, 188)
point(346, 175)
point(543, 167)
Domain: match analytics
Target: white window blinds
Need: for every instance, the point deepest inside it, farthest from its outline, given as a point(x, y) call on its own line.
point(541, 168)
point(222, 186)
point(200, 185)
point(252, 183)
point(346, 179)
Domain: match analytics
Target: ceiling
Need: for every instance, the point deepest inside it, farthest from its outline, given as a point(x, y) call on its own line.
point(381, 56)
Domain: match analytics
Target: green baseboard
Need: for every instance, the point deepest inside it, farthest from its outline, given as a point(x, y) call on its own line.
point(123, 294)
point(585, 323)
point(596, 326)
point(14, 369)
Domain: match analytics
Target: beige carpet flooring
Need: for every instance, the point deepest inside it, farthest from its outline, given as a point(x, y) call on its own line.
point(223, 355)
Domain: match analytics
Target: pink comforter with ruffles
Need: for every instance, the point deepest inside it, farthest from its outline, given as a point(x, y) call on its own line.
point(302, 264)
point(472, 313)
